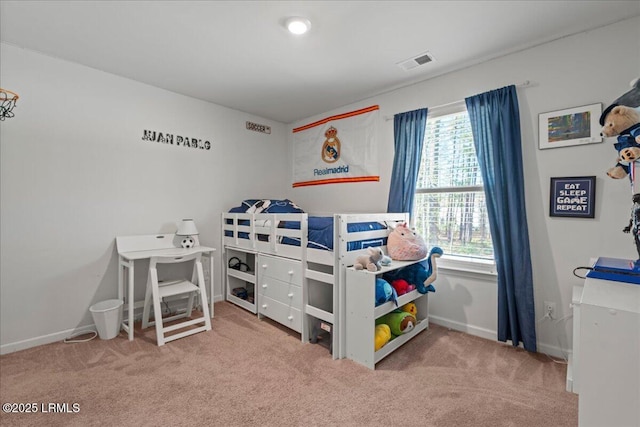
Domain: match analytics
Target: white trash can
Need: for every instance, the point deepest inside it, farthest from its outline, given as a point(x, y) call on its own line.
point(107, 315)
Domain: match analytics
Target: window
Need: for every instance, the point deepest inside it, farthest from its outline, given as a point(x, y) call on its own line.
point(449, 208)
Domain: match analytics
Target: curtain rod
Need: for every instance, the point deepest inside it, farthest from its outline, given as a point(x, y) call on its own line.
point(525, 83)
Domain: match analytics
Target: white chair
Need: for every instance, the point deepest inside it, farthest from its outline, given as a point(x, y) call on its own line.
point(156, 291)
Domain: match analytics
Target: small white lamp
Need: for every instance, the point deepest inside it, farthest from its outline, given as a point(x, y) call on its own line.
point(187, 229)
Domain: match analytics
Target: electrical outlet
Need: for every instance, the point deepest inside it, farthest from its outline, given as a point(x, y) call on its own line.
point(549, 310)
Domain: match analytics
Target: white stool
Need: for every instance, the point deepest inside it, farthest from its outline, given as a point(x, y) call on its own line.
point(159, 290)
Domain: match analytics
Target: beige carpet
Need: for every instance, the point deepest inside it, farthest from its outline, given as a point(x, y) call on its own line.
point(248, 372)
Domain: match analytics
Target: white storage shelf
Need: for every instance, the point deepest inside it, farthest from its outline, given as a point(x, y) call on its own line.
point(362, 314)
point(241, 279)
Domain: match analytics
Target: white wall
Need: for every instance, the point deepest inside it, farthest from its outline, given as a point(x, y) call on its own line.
point(569, 72)
point(76, 174)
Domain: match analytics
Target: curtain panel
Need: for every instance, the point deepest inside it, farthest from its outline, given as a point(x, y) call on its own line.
point(408, 132)
point(495, 123)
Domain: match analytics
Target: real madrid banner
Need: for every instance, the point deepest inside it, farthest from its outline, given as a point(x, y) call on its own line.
point(337, 149)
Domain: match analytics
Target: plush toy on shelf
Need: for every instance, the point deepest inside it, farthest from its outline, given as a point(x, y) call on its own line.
point(385, 292)
point(404, 244)
point(399, 321)
point(371, 261)
point(382, 336)
point(385, 261)
point(402, 286)
point(410, 308)
point(418, 274)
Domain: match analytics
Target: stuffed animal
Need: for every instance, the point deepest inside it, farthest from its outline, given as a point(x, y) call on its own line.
point(399, 321)
point(404, 244)
point(385, 261)
point(623, 122)
point(402, 286)
point(372, 261)
point(385, 292)
point(410, 308)
point(382, 336)
point(418, 274)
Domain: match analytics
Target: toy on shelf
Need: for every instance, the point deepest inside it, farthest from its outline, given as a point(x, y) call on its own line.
point(410, 308)
point(371, 261)
point(404, 244)
point(418, 274)
point(402, 286)
point(385, 292)
point(382, 336)
point(385, 261)
point(399, 321)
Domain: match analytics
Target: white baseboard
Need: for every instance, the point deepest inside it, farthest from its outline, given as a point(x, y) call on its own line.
point(60, 336)
point(553, 351)
point(45, 339)
point(463, 327)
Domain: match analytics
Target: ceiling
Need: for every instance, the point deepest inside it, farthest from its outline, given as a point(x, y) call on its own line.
point(238, 54)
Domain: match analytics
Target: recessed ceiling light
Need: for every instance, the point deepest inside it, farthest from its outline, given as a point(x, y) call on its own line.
point(297, 25)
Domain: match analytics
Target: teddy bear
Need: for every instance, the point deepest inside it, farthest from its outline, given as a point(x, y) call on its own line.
point(371, 261)
point(404, 244)
point(623, 122)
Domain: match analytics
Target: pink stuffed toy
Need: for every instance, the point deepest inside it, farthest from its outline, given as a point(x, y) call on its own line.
point(404, 244)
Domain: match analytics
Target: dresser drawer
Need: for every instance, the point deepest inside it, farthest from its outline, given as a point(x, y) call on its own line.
point(287, 270)
point(281, 313)
point(286, 293)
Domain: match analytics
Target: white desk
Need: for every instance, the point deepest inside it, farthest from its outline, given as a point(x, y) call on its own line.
point(134, 248)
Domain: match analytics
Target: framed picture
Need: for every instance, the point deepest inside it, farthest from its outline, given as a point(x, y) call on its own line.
point(573, 126)
point(573, 197)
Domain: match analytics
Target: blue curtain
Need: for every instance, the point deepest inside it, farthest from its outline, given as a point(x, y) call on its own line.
point(408, 133)
point(495, 123)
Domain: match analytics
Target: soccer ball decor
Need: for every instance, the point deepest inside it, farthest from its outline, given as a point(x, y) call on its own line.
point(186, 231)
point(188, 242)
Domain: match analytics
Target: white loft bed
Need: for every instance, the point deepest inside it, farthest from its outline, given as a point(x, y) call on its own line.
point(324, 270)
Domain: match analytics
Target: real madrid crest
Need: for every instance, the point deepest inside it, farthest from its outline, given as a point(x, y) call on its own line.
point(331, 147)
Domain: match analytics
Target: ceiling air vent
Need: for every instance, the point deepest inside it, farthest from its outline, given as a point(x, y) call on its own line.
point(416, 61)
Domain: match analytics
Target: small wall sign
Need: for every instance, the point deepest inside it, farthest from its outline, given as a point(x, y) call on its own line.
point(259, 128)
point(573, 197)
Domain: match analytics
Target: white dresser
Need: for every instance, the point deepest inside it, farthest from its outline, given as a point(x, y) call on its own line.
point(609, 356)
point(280, 290)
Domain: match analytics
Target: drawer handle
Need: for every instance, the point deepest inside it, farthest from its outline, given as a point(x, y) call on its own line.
point(290, 272)
point(290, 295)
point(264, 266)
point(290, 317)
point(264, 305)
point(264, 285)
